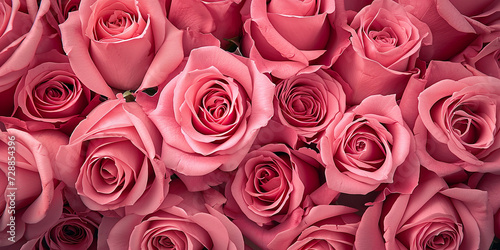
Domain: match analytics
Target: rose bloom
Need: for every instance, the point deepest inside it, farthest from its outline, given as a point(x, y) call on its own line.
point(454, 24)
point(185, 221)
point(210, 114)
point(121, 45)
point(485, 59)
point(50, 92)
point(283, 37)
point(386, 41)
point(218, 18)
point(308, 102)
point(27, 166)
point(112, 160)
point(457, 126)
point(271, 182)
point(369, 147)
point(434, 216)
point(491, 184)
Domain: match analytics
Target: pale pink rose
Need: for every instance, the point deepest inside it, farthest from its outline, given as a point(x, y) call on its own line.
point(323, 225)
point(370, 146)
point(50, 92)
point(485, 59)
point(457, 126)
point(20, 35)
point(121, 45)
point(308, 102)
point(220, 18)
point(26, 181)
point(189, 221)
point(386, 41)
point(112, 160)
point(271, 182)
point(454, 24)
point(210, 114)
point(434, 216)
point(284, 37)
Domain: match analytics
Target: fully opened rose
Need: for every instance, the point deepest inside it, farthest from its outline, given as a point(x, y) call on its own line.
point(209, 115)
point(99, 36)
point(112, 160)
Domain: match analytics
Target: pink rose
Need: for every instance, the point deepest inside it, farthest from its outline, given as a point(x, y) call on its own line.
point(112, 160)
point(308, 102)
point(220, 18)
point(121, 45)
point(432, 217)
point(284, 37)
point(210, 114)
point(386, 41)
point(370, 146)
point(190, 222)
point(271, 182)
point(457, 126)
point(485, 59)
point(491, 184)
point(50, 92)
point(454, 24)
point(26, 181)
point(60, 9)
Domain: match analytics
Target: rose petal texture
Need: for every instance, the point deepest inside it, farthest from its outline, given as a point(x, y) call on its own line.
point(210, 113)
point(272, 182)
point(486, 60)
point(284, 37)
point(309, 102)
point(457, 126)
point(190, 222)
point(366, 148)
point(28, 188)
point(433, 216)
point(50, 92)
point(386, 41)
point(121, 45)
point(112, 160)
point(455, 24)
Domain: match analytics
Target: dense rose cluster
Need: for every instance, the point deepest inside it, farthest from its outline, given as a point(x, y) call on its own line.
point(250, 124)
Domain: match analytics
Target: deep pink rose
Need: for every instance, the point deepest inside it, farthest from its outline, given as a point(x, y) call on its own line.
point(308, 102)
point(432, 217)
point(26, 181)
point(386, 41)
point(121, 45)
point(271, 182)
point(187, 221)
point(485, 59)
point(210, 114)
point(220, 18)
point(283, 37)
point(60, 9)
point(113, 162)
point(370, 146)
point(73, 230)
point(454, 24)
point(50, 92)
point(457, 126)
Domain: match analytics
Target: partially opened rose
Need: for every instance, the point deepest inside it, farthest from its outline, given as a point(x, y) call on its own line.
point(112, 160)
point(283, 37)
point(210, 114)
point(26, 181)
point(458, 123)
point(368, 147)
point(50, 92)
point(308, 102)
point(386, 41)
point(271, 182)
point(434, 216)
point(121, 45)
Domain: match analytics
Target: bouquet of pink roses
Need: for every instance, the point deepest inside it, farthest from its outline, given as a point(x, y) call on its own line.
point(250, 124)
